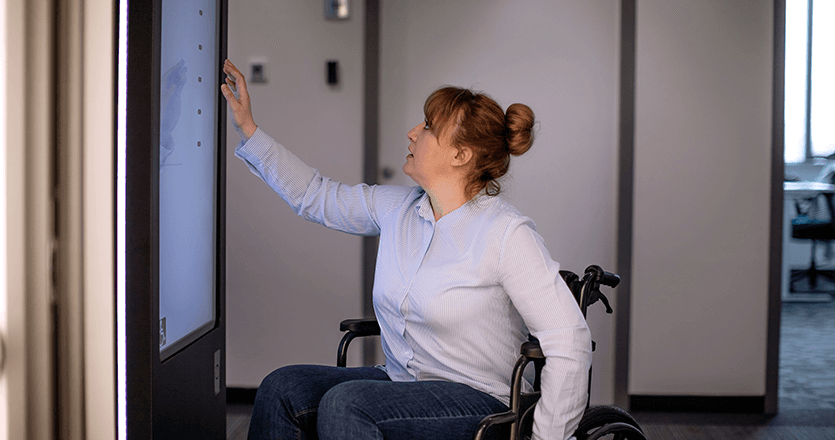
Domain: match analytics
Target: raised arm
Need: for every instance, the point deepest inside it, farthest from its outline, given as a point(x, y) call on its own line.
point(351, 209)
point(312, 196)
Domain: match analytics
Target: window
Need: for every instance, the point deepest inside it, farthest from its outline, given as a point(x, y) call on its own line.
point(810, 80)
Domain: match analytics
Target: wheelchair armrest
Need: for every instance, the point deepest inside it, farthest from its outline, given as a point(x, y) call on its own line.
point(492, 420)
point(354, 328)
point(362, 327)
point(532, 350)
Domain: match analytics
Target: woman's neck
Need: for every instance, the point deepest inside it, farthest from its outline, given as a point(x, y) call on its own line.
point(446, 197)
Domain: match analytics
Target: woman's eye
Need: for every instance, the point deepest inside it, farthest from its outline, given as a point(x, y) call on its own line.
point(426, 125)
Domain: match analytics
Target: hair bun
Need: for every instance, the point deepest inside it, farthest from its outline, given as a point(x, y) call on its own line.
point(519, 125)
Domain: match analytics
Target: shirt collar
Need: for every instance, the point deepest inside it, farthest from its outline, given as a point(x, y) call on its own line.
point(424, 208)
point(424, 205)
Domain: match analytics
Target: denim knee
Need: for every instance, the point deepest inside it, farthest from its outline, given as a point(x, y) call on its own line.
point(343, 413)
point(284, 407)
point(287, 401)
point(285, 385)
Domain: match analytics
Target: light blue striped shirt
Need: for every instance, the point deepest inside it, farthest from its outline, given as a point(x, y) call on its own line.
point(455, 298)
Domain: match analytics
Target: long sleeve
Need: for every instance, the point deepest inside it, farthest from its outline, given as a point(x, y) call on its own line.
point(312, 196)
point(532, 281)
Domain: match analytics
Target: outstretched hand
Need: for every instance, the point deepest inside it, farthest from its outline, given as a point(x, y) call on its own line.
point(238, 99)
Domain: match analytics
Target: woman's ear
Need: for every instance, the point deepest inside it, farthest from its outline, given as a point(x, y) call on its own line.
point(463, 157)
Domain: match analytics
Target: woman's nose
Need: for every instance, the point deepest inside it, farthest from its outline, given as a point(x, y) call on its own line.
point(413, 133)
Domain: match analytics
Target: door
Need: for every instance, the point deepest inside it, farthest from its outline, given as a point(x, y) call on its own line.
point(171, 173)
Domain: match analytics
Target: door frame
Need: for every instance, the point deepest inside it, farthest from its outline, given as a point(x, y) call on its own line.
point(84, 200)
point(27, 380)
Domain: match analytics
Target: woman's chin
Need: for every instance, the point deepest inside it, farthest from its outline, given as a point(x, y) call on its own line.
point(407, 170)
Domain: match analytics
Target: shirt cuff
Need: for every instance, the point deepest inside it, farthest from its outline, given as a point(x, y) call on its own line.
point(256, 147)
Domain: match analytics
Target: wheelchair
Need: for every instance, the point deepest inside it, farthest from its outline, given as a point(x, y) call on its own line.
point(598, 422)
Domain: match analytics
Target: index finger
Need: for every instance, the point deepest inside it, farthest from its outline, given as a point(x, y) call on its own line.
point(231, 71)
point(235, 75)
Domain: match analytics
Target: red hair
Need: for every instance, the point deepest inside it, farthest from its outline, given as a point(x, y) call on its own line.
point(476, 121)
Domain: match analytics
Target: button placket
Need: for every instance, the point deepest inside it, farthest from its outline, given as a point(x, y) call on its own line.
point(404, 304)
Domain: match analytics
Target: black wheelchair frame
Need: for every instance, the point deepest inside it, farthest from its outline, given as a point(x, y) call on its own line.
point(597, 421)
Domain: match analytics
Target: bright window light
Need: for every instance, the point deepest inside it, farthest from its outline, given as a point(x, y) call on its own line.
point(809, 93)
point(823, 79)
point(797, 14)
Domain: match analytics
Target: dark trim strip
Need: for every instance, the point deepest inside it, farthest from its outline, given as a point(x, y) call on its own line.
point(240, 396)
point(626, 181)
point(699, 404)
point(775, 258)
point(371, 107)
point(141, 132)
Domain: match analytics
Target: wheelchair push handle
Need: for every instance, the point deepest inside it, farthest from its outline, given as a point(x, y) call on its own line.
point(605, 278)
point(587, 290)
point(610, 279)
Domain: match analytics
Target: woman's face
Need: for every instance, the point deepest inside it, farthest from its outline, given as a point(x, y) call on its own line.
point(429, 157)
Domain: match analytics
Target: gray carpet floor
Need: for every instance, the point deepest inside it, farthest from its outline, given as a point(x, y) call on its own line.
point(807, 356)
point(806, 393)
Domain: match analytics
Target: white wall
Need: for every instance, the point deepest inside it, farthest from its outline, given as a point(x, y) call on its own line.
point(558, 57)
point(290, 282)
point(702, 188)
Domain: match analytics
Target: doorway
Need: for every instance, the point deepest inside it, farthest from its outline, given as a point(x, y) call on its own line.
point(807, 340)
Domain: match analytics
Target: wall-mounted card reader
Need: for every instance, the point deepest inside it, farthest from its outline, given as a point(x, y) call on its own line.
point(333, 73)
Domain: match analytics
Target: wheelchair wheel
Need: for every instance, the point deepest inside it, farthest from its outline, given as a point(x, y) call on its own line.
point(609, 422)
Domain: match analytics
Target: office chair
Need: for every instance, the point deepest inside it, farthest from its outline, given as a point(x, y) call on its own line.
point(517, 423)
point(806, 227)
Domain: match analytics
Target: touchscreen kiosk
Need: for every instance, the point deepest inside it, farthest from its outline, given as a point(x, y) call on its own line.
point(170, 217)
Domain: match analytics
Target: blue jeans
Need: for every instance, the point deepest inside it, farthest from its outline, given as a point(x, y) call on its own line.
point(310, 401)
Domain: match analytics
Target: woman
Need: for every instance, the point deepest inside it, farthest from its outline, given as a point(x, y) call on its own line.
point(461, 279)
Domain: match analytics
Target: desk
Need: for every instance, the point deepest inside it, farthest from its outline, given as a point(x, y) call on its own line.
point(795, 252)
point(807, 189)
